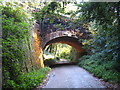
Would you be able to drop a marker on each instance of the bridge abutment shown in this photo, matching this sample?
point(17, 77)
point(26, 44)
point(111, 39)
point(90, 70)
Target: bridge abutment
point(37, 49)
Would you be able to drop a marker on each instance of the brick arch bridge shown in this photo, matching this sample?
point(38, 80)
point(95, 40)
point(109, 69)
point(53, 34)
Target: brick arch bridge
point(42, 37)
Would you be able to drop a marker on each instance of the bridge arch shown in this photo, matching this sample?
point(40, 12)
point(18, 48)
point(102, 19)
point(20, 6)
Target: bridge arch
point(72, 41)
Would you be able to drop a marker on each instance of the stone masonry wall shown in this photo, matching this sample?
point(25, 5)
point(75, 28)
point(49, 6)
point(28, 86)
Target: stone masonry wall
point(37, 53)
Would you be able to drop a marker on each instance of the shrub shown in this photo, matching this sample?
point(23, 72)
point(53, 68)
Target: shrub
point(16, 45)
point(100, 67)
point(28, 80)
point(11, 84)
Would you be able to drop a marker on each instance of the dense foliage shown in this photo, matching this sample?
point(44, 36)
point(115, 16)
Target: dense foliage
point(101, 67)
point(17, 49)
point(104, 24)
point(28, 80)
point(103, 21)
point(15, 33)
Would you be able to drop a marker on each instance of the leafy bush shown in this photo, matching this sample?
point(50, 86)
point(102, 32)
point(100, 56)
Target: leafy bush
point(100, 67)
point(15, 42)
point(105, 31)
point(10, 84)
point(28, 80)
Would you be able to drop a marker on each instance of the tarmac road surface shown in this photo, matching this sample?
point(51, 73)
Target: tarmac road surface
point(72, 76)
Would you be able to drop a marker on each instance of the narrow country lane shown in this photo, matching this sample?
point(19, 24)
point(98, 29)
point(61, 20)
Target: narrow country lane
point(72, 76)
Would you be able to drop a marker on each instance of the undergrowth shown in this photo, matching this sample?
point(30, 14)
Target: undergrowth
point(100, 65)
point(28, 80)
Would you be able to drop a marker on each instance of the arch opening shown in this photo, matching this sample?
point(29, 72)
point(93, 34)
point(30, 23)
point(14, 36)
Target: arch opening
point(63, 52)
point(73, 45)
